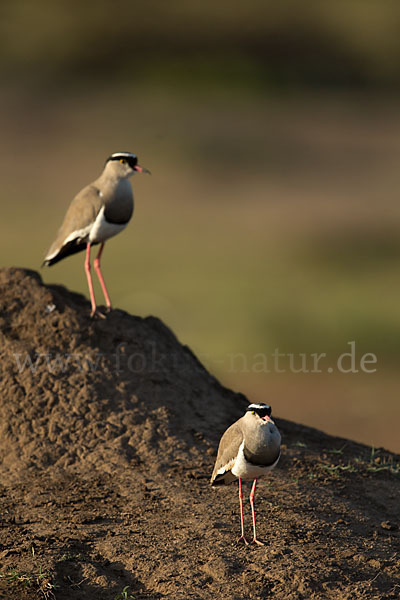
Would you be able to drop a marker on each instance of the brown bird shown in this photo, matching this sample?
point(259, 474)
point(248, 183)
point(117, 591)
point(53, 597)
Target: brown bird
point(248, 450)
point(101, 210)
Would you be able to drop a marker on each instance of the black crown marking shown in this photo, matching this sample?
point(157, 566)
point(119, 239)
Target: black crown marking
point(130, 158)
point(261, 409)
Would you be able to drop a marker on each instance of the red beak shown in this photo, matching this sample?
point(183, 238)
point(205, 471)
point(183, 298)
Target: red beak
point(140, 169)
point(267, 419)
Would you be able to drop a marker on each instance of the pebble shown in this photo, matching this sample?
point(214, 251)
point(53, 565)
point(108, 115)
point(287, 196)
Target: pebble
point(388, 526)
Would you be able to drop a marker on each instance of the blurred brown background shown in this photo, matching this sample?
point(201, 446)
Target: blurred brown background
point(271, 222)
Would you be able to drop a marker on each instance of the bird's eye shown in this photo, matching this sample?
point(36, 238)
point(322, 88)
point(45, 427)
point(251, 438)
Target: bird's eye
point(253, 412)
point(122, 160)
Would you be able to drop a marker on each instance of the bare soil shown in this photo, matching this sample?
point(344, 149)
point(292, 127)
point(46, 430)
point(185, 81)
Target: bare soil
point(108, 434)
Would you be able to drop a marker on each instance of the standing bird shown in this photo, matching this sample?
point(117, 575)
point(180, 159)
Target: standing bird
point(101, 210)
point(247, 450)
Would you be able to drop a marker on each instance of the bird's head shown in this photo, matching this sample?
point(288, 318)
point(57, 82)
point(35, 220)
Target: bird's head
point(260, 411)
point(124, 164)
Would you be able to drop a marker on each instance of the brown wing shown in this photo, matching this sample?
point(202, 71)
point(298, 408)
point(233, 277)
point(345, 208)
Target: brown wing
point(81, 213)
point(227, 452)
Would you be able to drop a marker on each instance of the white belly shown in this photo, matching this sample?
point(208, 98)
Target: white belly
point(101, 230)
point(242, 468)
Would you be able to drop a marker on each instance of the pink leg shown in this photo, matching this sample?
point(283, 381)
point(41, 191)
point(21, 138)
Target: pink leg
point(253, 489)
point(89, 278)
point(241, 512)
point(100, 276)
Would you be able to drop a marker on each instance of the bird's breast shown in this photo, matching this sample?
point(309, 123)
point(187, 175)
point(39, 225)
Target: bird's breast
point(115, 213)
point(102, 229)
point(118, 203)
point(247, 470)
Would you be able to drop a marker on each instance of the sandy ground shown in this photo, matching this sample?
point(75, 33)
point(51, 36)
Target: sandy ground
point(108, 434)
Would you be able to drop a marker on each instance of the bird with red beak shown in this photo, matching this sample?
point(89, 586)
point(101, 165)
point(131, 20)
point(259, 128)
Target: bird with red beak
point(98, 212)
point(248, 450)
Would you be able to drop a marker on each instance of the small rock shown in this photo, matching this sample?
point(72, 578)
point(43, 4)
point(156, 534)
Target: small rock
point(388, 526)
point(375, 564)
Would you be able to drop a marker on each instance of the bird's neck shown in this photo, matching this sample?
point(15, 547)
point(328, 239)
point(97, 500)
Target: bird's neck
point(112, 187)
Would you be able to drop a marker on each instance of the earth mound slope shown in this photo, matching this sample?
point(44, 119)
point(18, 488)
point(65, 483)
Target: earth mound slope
point(97, 394)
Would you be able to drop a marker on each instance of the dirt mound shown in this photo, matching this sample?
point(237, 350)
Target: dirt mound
point(108, 433)
point(104, 394)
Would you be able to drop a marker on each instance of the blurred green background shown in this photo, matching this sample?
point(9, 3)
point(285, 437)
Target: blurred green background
point(271, 220)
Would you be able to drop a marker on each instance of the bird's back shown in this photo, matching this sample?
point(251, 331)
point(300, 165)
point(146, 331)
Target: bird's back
point(75, 228)
point(227, 452)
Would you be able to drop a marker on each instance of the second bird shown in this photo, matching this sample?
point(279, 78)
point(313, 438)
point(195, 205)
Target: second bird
point(101, 210)
point(248, 450)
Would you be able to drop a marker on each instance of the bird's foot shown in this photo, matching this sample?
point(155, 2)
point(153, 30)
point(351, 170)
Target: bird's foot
point(256, 541)
point(242, 539)
point(97, 314)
